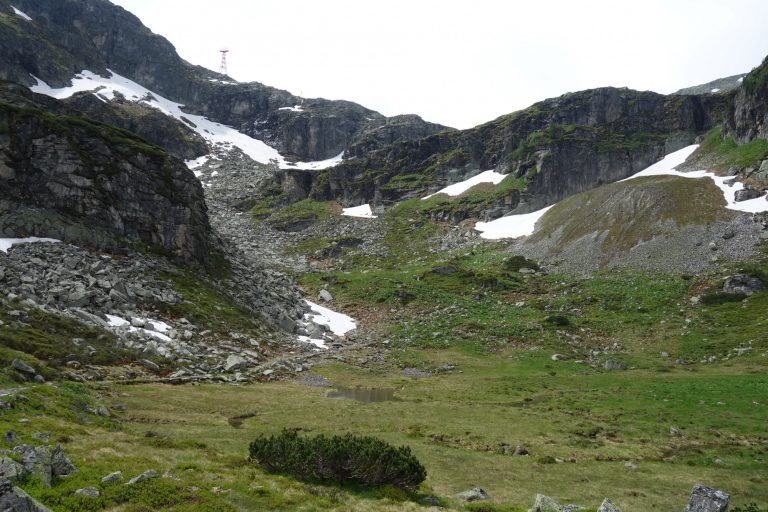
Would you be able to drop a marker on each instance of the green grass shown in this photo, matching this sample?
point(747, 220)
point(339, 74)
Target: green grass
point(306, 211)
point(742, 155)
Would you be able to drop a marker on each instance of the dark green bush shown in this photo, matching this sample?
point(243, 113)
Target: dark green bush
point(341, 459)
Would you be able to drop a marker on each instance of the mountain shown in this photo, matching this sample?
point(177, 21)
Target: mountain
point(190, 266)
point(66, 37)
point(721, 85)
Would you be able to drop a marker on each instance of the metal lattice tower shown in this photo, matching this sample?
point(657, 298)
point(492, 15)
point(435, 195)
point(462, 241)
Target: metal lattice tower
point(223, 65)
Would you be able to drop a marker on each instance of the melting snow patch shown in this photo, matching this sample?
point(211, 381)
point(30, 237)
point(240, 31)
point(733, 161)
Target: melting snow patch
point(462, 186)
point(197, 162)
point(512, 226)
point(741, 79)
point(338, 323)
point(158, 327)
point(6, 243)
point(726, 184)
point(715, 90)
point(295, 108)
point(19, 13)
point(213, 132)
point(363, 211)
point(315, 166)
point(313, 341)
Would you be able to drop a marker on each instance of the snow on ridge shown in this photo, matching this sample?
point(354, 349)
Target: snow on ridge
point(7, 243)
point(514, 226)
point(295, 108)
point(363, 211)
point(20, 13)
point(462, 186)
point(715, 90)
point(214, 133)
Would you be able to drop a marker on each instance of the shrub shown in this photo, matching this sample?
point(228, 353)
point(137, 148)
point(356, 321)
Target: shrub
point(342, 459)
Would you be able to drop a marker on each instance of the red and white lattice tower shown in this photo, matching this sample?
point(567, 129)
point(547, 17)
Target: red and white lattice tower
point(223, 65)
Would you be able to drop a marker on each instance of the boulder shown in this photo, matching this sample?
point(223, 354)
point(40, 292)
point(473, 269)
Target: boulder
point(474, 494)
point(707, 499)
point(325, 296)
point(742, 283)
point(545, 504)
point(612, 365)
point(112, 477)
point(13, 499)
point(147, 475)
point(10, 469)
point(746, 194)
point(234, 362)
point(21, 366)
point(91, 492)
point(608, 506)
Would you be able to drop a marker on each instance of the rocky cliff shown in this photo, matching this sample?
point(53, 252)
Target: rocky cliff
point(551, 150)
point(75, 179)
point(65, 37)
point(749, 117)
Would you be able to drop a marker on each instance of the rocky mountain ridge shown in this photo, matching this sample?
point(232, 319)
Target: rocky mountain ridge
point(66, 37)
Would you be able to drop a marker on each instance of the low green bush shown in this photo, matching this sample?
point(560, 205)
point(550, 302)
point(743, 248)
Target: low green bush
point(344, 459)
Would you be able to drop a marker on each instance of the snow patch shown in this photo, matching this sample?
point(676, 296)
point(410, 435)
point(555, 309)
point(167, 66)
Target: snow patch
point(197, 162)
point(363, 211)
point(715, 90)
point(295, 108)
point(726, 184)
point(313, 341)
point(20, 13)
point(315, 166)
point(158, 327)
point(338, 323)
point(462, 186)
point(511, 226)
point(741, 79)
point(214, 133)
point(7, 243)
point(514, 226)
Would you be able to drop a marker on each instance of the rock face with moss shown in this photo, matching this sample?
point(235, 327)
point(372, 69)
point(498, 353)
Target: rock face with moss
point(68, 36)
point(555, 148)
point(78, 180)
point(748, 119)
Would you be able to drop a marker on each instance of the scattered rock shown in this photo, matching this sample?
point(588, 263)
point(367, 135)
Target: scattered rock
point(675, 432)
point(545, 504)
point(474, 494)
point(612, 365)
point(520, 451)
point(147, 475)
point(608, 506)
point(706, 499)
point(558, 357)
point(10, 469)
point(11, 437)
point(325, 296)
point(91, 492)
point(630, 466)
point(112, 477)
point(744, 284)
point(746, 194)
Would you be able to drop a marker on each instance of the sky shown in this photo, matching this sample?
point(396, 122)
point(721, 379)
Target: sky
point(462, 63)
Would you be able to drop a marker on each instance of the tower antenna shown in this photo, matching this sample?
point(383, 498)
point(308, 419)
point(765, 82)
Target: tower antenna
point(223, 65)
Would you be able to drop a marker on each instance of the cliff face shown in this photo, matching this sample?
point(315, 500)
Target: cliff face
point(84, 182)
point(555, 148)
point(749, 117)
point(68, 36)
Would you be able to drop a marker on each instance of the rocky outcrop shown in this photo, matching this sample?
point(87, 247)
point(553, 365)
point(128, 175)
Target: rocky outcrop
point(16, 500)
point(720, 85)
point(556, 148)
point(68, 36)
point(707, 499)
point(73, 179)
point(749, 117)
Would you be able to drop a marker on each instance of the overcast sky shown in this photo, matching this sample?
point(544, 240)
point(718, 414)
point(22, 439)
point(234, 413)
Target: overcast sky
point(462, 63)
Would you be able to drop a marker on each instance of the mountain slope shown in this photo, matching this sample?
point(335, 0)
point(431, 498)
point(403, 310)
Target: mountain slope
point(66, 37)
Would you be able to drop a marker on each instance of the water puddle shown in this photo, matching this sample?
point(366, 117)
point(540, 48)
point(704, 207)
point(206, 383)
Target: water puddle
point(364, 395)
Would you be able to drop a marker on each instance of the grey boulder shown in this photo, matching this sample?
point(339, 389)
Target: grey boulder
point(707, 499)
